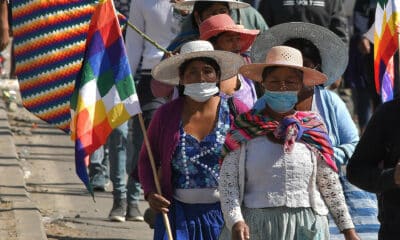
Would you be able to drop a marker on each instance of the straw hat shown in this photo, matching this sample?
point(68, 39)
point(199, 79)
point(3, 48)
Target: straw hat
point(167, 71)
point(220, 23)
point(283, 56)
point(188, 4)
point(333, 51)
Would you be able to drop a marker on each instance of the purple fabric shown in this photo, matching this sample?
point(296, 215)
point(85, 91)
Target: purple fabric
point(246, 94)
point(163, 134)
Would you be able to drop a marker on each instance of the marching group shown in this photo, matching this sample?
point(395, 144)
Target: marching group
point(248, 137)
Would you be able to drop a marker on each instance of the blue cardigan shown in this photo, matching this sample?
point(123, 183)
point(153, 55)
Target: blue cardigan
point(343, 133)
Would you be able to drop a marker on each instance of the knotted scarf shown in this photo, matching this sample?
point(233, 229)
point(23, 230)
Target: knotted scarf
point(306, 127)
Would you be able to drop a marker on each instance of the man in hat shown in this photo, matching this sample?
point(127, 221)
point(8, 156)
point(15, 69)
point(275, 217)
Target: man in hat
point(225, 35)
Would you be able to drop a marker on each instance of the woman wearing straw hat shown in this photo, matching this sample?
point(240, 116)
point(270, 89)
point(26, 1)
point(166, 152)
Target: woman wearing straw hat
point(278, 176)
point(241, 12)
point(225, 35)
point(324, 51)
point(201, 10)
point(186, 136)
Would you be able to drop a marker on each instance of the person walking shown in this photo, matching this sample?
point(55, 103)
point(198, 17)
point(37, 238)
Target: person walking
point(186, 136)
point(225, 35)
point(325, 51)
point(242, 13)
point(158, 20)
point(289, 152)
point(201, 10)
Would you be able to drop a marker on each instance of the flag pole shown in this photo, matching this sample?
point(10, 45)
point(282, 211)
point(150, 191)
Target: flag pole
point(155, 175)
point(143, 35)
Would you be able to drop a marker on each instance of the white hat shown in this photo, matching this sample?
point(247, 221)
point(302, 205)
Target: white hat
point(283, 56)
point(187, 5)
point(333, 51)
point(167, 71)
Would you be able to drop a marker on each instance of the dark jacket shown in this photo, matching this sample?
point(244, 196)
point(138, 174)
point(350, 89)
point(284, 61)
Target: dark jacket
point(372, 165)
point(363, 17)
point(329, 14)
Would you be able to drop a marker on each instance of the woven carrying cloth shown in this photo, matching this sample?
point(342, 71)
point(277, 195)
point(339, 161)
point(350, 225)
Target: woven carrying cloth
point(49, 38)
point(306, 127)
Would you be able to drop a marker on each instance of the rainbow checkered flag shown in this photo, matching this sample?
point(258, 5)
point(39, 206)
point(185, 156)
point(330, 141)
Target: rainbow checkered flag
point(104, 95)
point(385, 45)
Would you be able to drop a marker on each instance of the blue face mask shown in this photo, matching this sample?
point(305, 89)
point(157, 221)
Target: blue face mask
point(280, 102)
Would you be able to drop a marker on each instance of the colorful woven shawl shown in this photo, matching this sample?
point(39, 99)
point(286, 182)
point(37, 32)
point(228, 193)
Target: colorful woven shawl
point(306, 127)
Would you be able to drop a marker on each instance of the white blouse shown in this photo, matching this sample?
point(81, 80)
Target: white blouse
point(295, 179)
point(277, 179)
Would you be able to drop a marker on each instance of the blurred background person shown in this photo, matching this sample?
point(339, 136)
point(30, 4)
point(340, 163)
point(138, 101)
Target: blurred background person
point(360, 72)
point(375, 166)
point(225, 35)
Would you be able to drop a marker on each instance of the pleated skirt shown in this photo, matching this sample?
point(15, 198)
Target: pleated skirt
point(191, 222)
point(283, 223)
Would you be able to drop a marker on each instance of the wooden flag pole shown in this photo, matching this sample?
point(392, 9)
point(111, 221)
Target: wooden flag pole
point(143, 35)
point(155, 175)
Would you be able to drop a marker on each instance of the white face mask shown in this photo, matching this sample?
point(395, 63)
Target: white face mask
point(201, 92)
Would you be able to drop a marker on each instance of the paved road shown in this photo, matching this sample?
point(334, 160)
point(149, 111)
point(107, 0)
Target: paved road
point(67, 211)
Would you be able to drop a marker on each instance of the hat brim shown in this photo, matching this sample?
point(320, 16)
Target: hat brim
point(247, 36)
point(188, 5)
point(254, 72)
point(167, 71)
point(333, 51)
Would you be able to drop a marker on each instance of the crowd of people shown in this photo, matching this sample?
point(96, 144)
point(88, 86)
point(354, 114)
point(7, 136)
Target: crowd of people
point(249, 135)
point(249, 138)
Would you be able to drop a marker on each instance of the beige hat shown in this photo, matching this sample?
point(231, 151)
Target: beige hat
point(188, 4)
point(167, 71)
point(283, 56)
point(333, 51)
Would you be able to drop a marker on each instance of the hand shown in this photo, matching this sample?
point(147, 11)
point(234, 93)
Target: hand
point(4, 38)
point(158, 203)
point(364, 46)
point(397, 173)
point(350, 234)
point(169, 54)
point(4, 30)
point(240, 231)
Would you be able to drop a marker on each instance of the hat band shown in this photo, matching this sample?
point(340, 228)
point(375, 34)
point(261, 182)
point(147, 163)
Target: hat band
point(286, 63)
